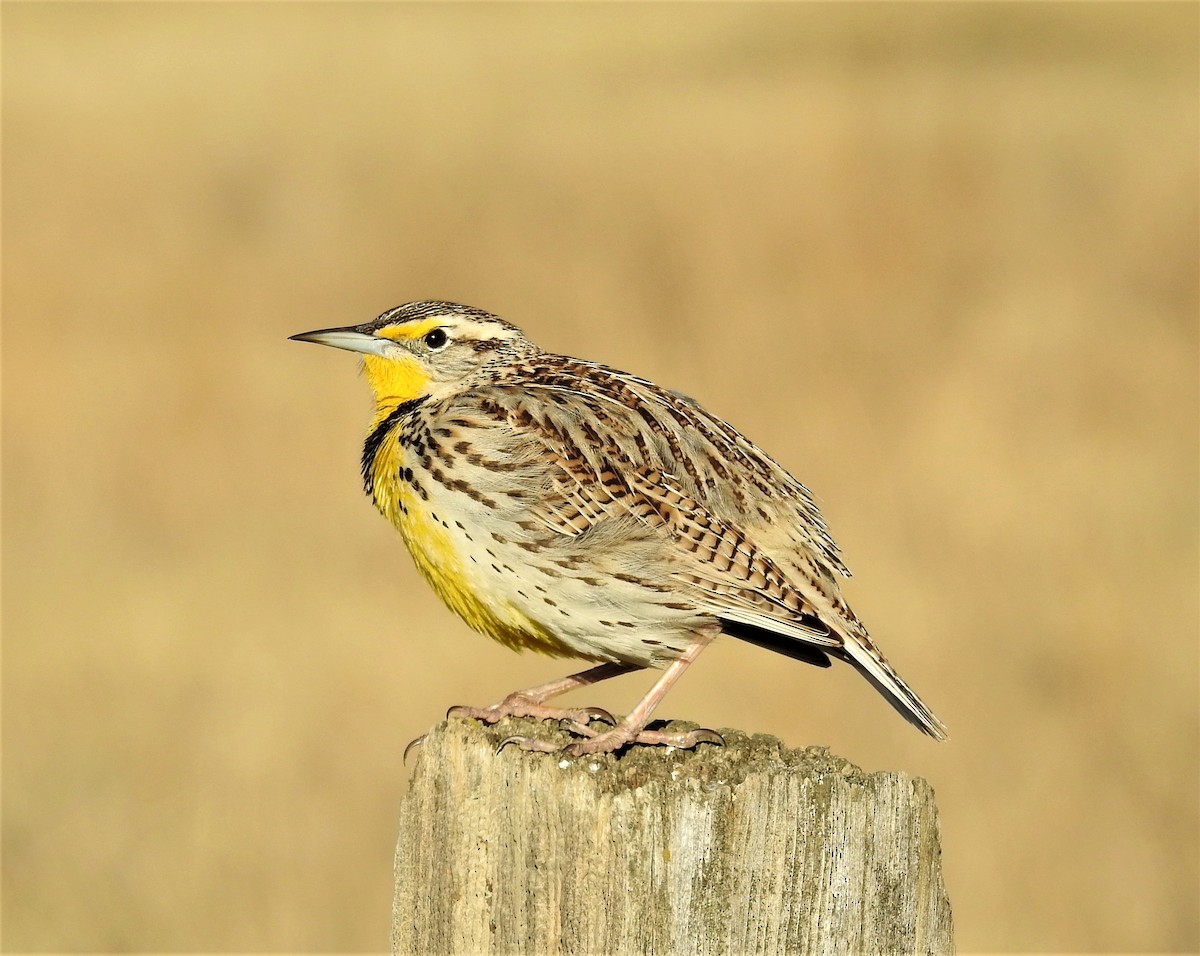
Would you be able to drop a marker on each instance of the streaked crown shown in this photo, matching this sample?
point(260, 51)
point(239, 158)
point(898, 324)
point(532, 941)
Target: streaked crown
point(425, 348)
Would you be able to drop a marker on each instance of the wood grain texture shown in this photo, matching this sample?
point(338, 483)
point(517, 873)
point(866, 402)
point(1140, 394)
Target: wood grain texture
point(749, 848)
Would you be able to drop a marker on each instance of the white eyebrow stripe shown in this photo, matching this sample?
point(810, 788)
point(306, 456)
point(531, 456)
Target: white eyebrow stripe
point(480, 331)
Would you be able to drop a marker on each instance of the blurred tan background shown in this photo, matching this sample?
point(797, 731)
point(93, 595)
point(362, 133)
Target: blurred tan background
point(939, 260)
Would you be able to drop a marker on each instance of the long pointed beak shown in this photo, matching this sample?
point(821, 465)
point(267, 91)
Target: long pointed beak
point(347, 338)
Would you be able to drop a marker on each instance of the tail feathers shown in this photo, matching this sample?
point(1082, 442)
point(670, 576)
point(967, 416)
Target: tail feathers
point(812, 647)
point(874, 668)
point(780, 643)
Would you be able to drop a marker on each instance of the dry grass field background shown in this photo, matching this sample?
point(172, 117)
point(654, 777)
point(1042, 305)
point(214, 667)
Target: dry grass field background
point(939, 260)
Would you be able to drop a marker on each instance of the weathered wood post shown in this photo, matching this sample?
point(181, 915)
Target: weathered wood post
point(747, 848)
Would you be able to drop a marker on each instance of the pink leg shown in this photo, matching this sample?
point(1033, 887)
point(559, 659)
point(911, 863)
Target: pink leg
point(632, 730)
point(528, 703)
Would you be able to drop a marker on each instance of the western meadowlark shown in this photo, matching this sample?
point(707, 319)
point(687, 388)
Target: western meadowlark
point(562, 506)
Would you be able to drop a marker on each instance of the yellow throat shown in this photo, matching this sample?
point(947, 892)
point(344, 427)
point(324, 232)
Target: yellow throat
point(394, 381)
point(429, 542)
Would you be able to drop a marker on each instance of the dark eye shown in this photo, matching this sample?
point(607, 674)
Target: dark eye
point(436, 339)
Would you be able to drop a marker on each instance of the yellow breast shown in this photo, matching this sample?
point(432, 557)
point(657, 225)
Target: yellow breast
point(440, 558)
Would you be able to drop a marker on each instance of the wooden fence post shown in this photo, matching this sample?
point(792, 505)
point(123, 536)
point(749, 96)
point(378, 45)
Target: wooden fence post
point(747, 848)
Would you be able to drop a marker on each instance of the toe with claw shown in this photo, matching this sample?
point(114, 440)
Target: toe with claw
point(619, 737)
point(516, 705)
point(613, 740)
point(411, 744)
point(529, 743)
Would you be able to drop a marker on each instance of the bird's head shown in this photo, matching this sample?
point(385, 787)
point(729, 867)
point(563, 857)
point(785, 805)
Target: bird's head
point(424, 349)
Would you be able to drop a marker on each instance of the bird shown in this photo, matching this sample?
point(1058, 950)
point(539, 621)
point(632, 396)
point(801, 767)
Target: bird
point(562, 506)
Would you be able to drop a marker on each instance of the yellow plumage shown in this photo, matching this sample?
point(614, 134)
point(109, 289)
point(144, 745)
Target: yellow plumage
point(441, 564)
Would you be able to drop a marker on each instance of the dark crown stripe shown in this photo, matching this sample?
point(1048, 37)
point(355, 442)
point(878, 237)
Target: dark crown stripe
point(415, 311)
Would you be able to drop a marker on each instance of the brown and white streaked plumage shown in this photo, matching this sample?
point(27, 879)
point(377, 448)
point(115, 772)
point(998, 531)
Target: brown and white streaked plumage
point(561, 505)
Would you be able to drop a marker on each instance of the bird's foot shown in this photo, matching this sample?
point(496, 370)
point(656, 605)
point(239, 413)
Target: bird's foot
point(612, 740)
point(515, 705)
